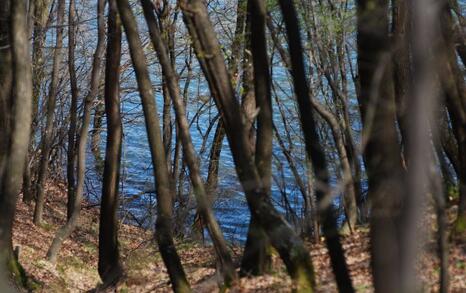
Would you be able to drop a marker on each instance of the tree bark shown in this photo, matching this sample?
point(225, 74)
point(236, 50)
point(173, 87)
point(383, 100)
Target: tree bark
point(314, 149)
point(401, 68)
point(217, 144)
point(224, 258)
point(6, 80)
point(164, 198)
point(210, 57)
point(21, 109)
point(110, 268)
point(380, 142)
point(71, 152)
point(454, 87)
point(47, 136)
point(40, 11)
point(65, 231)
point(257, 255)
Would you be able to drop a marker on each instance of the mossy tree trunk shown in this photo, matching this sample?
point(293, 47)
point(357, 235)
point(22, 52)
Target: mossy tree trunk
point(20, 101)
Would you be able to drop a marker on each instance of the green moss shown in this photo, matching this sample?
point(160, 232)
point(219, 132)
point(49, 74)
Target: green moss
point(90, 247)
point(362, 288)
point(46, 226)
point(460, 225)
point(453, 192)
point(460, 265)
point(140, 260)
point(302, 282)
point(17, 272)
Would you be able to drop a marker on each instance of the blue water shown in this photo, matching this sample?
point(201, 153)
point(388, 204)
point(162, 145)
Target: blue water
point(137, 186)
point(230, 205)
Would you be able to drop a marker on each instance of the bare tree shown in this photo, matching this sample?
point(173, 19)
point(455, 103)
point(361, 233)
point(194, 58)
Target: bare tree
point(213, 65)
point(66, 230)
point(47, 134)
point(162, 180)
point(110, 268)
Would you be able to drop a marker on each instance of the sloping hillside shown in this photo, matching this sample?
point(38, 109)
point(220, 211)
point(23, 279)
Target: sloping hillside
point(76, 268)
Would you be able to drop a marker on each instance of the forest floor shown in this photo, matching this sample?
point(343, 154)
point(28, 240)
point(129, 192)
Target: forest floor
point(76, 268)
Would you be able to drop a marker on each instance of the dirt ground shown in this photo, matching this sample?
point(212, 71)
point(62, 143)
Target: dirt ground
point(76, 268)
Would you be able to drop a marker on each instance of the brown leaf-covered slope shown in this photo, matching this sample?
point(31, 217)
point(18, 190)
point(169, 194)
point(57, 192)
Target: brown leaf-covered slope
point(76, 268)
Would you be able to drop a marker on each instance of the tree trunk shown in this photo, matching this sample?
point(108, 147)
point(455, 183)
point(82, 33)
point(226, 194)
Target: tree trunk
point(21, 110)
point(226, 264)
point(71, 152)
point(40, 17)
point(314, 149)
point(6, 79)
point(217, 144)
point(47, 136)
point(401, 68)
point(257, 252)
point(164, 198)
point(454, 87)
point(65, 231)
point(210, 57)
point(380, 142)
point(110, 268)
point(99, 111)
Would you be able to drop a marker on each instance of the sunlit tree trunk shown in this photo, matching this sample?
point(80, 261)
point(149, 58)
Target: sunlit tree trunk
point(163, 225)
point(314, 149)
point(65, 231)
point(40, 11)
point(283, 238)
point(219, 136)
point(71, 152)
point(257, 255)
point(47, 135)
point(110, 268)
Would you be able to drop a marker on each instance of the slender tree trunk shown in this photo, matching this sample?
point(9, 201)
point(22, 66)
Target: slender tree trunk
point(338, 133)
point(110, 268)
point(214, 158)
point(163, 223)
point(257, 255)
point(223, 254)
point(349, 199)
point(448, 140)
point(216, 149)
point(71, 152)
point(380, 142)
point(401, 68)
point(40, 18)
point(99, 112)
point(47, 136)
point(21, 109)
point(313, 147)
point(65, 231)
point(283, 238)
point(6, 79)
